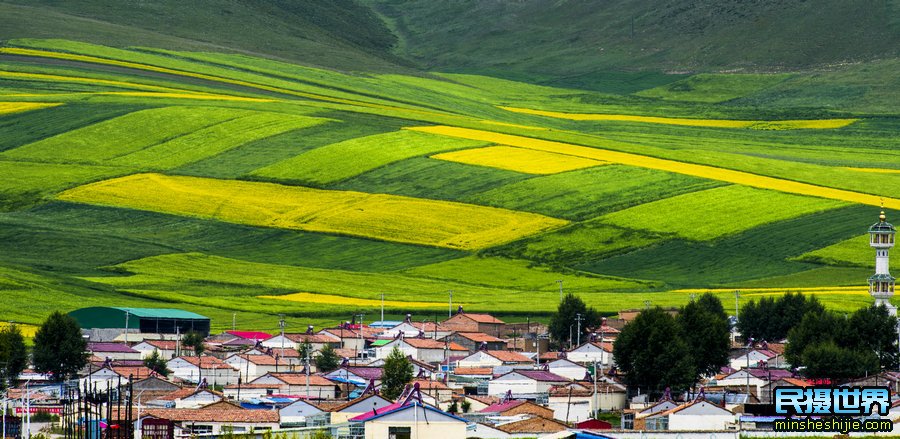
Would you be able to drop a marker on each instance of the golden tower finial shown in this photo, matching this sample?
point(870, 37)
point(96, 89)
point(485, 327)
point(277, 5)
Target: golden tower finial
point(882, 217)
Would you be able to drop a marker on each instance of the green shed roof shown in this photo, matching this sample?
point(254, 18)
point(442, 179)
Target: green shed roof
point(381, 342)
point(162, 313)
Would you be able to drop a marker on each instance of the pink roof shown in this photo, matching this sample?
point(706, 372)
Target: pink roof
point(368, 415)
point(250, 335)
point(111, 347)
point(540, 375)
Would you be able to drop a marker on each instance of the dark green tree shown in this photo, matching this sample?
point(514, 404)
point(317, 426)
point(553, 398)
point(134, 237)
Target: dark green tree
point(157, 363)
point(815, 328)
point(874, 329)
point(327, 360)
point(195, 341)
point(827, 360)
point(59, 348)
point(565, 317)
point(13, 354)
point(705, 327)
point(772, 319)
point(306, 350)
point(465, 406)
point(652, 353)
point(454, 408)
point(398, 372)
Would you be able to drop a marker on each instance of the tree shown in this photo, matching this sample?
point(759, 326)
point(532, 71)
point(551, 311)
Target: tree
point(566, 315)
point(772, 319)
point(705, 327)
point(466, 406)
point(454, 408)
point(13, 354)
point(398, 372)
point(652, 353)
point(874, 329)
point(194, 340)
point(59, 348)
point(156, 363)
point(814, 328)
point(327, 360)
point(827, 360)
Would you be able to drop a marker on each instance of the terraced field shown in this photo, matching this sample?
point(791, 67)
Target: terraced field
point(225, 183)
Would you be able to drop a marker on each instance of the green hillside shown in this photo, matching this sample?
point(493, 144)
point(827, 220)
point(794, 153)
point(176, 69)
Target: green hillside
point(301, 163)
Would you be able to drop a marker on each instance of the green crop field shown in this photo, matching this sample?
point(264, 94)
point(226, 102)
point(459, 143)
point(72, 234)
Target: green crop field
point(308, 161)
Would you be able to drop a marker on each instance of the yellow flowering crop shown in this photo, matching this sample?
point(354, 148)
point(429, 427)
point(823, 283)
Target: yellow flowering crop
point(778, 291)
point(528, 161)
point(17, 107)
point(379, 216)
point(704, 171)
point(331, 299)
point(28, 331)
point(875, 170)
point(716, 123)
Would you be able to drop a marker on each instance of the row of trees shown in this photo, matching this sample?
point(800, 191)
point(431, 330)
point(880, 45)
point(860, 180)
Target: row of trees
point(772, 318)
point(657, 350)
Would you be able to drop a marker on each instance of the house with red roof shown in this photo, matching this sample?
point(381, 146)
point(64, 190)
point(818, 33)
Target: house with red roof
point(422, 349)
point(525, 383)
point(251, 367)
point(194, 369)
point(350, 339)
point(363, 404)
point(591, 352)
point(199, 421)
point(293, 341)
point(253, 336)
point(466, 322)
point(295, 384)
point(517, 407)
point(166, 348)
point(474, 341)
point(490, 358)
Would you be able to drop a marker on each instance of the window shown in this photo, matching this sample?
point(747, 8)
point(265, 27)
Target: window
point(200, 429)
point(399, 432)
point(628, 421)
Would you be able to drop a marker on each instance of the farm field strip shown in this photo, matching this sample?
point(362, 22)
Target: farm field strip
point(713, 213)
point(342, 160)
point(875, 170)
point(23, 76)
point(19, 107)
point(715, 123)
point(853, 252)
point(214, 78)
point(378, 216)
point(703, 171)
point(523, 160)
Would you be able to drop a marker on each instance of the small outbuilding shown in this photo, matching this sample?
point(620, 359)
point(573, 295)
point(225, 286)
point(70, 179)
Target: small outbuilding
point(143, 320)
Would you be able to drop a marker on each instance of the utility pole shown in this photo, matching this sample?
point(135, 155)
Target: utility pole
point(382, 310)
point(280, 324)
point(234, 321)
point(127, 313)
point(450, 312)
point(579, 318)
point(560, 290)
point(737, 295)
point(307, 374)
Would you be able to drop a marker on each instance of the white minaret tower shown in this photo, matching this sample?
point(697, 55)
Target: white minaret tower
point(881, 284)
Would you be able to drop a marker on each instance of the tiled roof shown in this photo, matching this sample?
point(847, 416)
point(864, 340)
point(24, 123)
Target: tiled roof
point(483, 318)
point(501, 407)
point(509, 356)
point(178, 394)
point(375, 412)
point(137, 372)
point(253, 386)
point(479, 337)
point(536, 424)
point(250, 335)
point(340, 332)
point(352, 402)
point(312, 338)
point(111, 347)
point(205, 362)
point(215, 415)
point(427, 343)
point(473, 371)
point(168, 345)
point(299, 379)
point(797, 382)
point(263, 360)
point(345, 353)
point(541, 375)
point(430, 385)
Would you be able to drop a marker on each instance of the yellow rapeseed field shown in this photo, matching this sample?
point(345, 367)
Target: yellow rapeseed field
point(331, 299)
point(716, 123)
point(843, 291)
point(704, 171)
point(16, 107)
point(27, 330)
point(379, 216)
point(528, 161)
point(152, 68)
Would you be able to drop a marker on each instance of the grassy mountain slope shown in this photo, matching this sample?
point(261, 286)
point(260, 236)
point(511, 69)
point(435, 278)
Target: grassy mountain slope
point(561, 41)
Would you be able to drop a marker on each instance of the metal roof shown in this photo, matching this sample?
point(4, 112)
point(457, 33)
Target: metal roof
point(162, 313)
